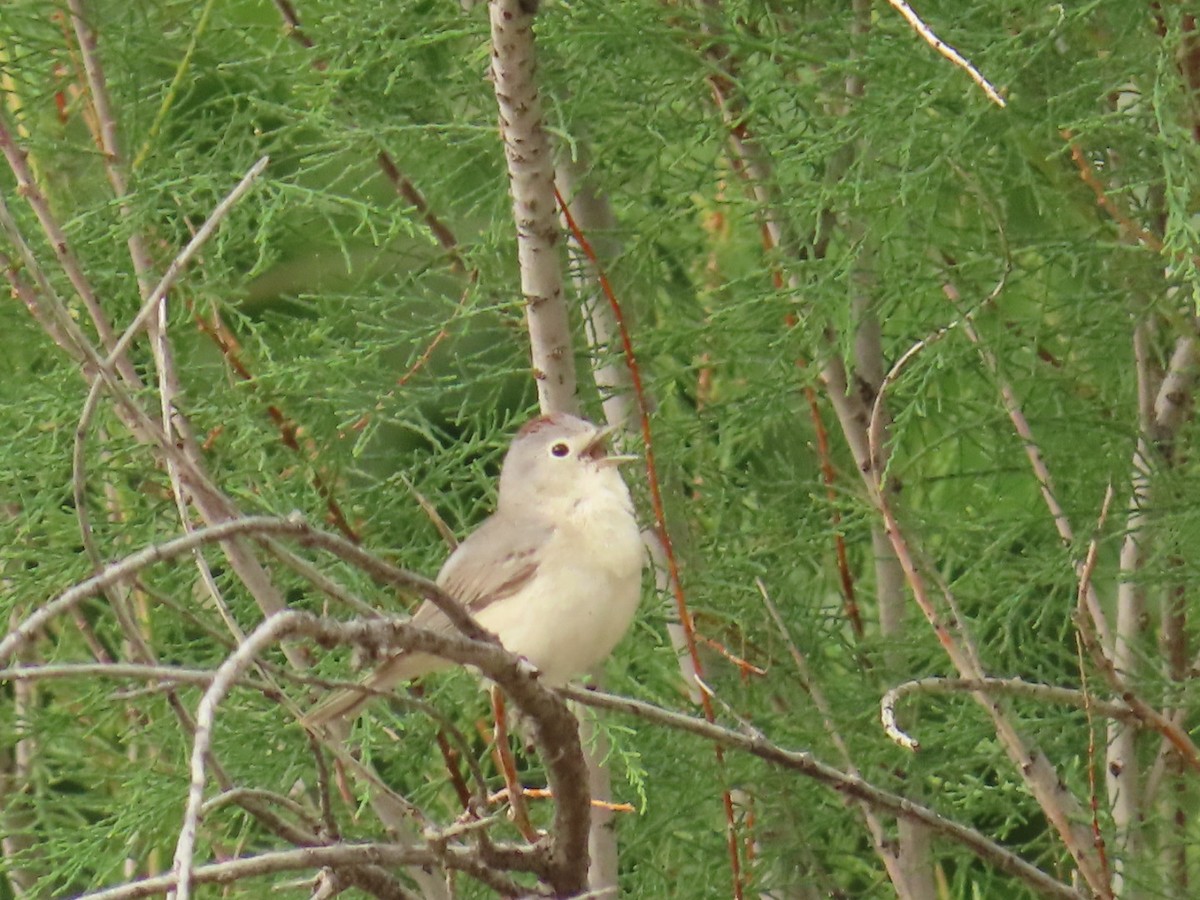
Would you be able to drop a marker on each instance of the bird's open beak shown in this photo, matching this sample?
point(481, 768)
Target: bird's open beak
point(597, 448)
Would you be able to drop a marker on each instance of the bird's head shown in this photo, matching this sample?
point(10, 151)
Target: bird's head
point(555, 461)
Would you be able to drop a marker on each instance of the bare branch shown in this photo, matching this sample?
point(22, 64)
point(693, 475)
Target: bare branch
point(341, 855)
point(1037, 462)
point(849, 785)
point(947, 51)
point(136, 562)
point(1044, 693)
point(60, 671)
point(561, 862)
point(57, 239)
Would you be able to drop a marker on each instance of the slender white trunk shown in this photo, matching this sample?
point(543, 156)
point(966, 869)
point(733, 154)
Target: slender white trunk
point(531, 180)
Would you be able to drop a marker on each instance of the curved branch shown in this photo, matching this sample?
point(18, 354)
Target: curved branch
point(135, 562)
point(561, 862)
point(1046, 693)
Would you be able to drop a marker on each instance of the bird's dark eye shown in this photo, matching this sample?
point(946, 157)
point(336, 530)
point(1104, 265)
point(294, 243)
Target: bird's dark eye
point(560, 449)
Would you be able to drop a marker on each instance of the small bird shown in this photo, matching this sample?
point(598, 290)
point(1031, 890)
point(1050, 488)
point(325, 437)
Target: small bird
point(555, 572)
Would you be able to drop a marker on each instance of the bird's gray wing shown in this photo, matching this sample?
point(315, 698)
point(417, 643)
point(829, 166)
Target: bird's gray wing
point(494, 562)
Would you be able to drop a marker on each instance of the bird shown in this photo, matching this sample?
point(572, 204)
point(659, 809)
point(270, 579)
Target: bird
point(555, 572)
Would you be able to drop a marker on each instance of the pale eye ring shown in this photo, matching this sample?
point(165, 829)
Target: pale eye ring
point(560, 449)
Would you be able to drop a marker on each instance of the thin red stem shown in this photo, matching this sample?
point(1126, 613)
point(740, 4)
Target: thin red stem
point(1093, 798)
point(660, 523)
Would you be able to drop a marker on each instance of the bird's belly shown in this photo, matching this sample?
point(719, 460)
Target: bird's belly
point(571, 615)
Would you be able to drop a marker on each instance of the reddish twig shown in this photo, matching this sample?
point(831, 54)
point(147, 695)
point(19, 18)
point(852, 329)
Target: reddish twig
point(292, 20)
point(450, 757)
point(829, 479)
point(1093, 799)
point(687, 623)
point(1084, 637)
point(744, 667)
point(443, 333)
point(1089, 177)
point(406, 189)
point(436, 226)
point(518, 811)
point(441, 232)
point(502, 795)
point(445, 238)
point(770, 243)
point(639, 391)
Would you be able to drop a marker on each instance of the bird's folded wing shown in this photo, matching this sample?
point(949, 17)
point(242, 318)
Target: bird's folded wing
point(495, 561)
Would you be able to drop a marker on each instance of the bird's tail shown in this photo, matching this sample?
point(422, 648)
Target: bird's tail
point(348, 704)
point(342, 705)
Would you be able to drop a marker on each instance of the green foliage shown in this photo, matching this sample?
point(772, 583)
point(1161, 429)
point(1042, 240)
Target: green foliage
point(404, 376)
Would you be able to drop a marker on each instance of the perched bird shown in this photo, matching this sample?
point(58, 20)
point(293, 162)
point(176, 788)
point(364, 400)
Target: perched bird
point(555, 573)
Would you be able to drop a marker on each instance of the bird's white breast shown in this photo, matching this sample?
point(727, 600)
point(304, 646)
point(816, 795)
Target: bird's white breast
point(568, 618)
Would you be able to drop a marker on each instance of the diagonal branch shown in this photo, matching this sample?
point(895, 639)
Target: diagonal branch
point(845, 784)
point(947, 51)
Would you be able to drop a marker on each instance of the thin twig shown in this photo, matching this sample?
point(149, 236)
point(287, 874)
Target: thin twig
point(179, 81)
point(57, 239)
point(289, 431)
point(231, 871)
point(238, 796)
point(1033, 453)
point(947, 51)
point(875, 426)
point(439, 229)
point(829, 479)
point(180, 262)
point(183, 457)
point(292, 20)
point(662, 534)
point(1132, 231)
point(1168, 727)
point(1093, 796)
point(319, 579)
point(656, 499)
point(135, 562)
point(58, 671)
point(1044, 693)
point(874, 827)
